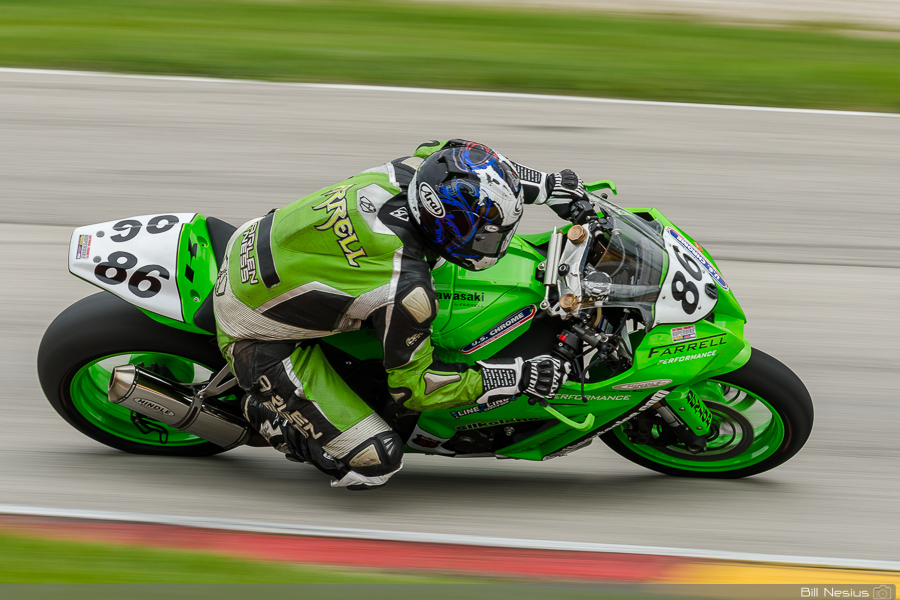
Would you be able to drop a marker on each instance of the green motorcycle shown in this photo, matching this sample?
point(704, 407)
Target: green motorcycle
point(661, 370)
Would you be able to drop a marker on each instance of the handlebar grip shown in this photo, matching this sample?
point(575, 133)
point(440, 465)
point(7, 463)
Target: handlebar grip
point(581, 212)
point(567, 346)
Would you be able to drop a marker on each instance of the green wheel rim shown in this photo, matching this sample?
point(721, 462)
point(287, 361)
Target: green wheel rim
point(749, 431)
point(88, 391)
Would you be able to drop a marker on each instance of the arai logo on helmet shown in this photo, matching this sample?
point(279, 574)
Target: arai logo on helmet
point(430, 201)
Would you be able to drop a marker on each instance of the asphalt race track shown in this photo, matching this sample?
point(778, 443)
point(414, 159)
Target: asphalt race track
point(801, 209)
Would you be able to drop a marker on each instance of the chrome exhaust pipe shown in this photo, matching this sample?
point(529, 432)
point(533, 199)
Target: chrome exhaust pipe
point(175, 405)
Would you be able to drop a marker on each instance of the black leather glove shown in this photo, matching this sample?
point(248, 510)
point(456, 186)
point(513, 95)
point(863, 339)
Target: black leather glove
point(539, 377)
point(543, 375)
point(564, 187)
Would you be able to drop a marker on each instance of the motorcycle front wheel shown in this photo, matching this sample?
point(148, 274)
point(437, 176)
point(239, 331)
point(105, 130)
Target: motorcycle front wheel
point(94, 335)
point(762, 416)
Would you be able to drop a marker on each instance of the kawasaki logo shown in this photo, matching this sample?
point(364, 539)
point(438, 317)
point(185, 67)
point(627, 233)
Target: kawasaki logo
point(473, 297)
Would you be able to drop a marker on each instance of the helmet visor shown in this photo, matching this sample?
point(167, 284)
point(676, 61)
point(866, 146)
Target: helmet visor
point(492, 240)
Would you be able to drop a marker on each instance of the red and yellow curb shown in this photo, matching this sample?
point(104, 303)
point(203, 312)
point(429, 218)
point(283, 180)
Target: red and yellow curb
point(517, 563)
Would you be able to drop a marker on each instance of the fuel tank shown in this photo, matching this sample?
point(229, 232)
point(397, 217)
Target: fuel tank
point(482, 312)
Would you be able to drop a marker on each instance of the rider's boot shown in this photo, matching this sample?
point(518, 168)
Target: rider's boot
point(266, 421)
point(366, 467)
point(372, 462)
point(358, 482)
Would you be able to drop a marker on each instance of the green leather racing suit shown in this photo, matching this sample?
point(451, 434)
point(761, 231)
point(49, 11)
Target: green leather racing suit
point(343, 258)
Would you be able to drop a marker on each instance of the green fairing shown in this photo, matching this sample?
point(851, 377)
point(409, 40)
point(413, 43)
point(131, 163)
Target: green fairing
point(472, 302)
point(201, 265)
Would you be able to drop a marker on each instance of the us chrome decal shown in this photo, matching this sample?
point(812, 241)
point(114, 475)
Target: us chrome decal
point(511, 322)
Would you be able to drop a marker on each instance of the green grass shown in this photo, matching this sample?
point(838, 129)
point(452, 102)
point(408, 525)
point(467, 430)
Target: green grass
point(26, 560)
point(425, 44)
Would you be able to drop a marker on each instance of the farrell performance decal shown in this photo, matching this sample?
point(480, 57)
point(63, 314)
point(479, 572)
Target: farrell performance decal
point(686, 347)
point(685, 357)
point(698, 256)
point(511, 322)
point(605, 398)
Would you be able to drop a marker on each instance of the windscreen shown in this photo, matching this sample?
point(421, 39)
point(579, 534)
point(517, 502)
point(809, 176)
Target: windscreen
point(631, 260)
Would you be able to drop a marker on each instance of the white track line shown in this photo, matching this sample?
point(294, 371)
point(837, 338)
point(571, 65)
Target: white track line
point(443, 92)
point(439, 538)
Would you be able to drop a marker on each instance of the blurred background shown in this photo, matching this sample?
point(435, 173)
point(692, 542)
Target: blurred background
point(798, 206)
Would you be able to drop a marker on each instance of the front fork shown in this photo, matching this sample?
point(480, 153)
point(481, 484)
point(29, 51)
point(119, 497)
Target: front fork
point(686, 415)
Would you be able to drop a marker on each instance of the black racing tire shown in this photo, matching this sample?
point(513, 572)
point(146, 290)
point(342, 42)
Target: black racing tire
point(767, 378)
point(103, 325)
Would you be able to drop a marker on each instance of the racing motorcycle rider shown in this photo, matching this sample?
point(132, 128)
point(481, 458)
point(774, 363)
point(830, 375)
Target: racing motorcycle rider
point(358, 254)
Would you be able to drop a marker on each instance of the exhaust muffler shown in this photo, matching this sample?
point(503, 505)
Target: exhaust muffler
point(175, 405)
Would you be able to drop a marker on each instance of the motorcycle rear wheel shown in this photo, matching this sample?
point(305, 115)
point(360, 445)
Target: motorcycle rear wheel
point(763, 416)
point(84, 343)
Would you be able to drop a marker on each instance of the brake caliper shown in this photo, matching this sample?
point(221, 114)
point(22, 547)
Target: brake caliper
point(686, 413)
